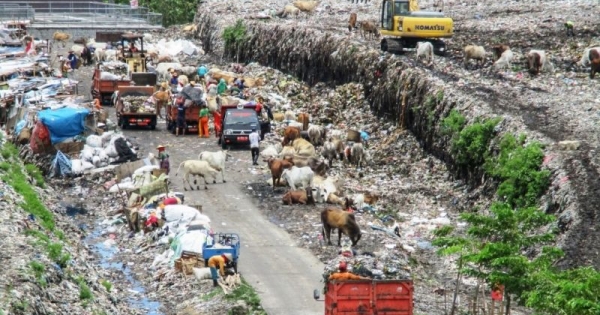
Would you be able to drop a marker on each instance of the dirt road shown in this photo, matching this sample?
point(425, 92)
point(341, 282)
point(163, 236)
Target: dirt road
point(283, 274)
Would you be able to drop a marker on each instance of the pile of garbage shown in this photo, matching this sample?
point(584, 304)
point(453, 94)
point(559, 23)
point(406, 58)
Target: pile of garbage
point(100, 151)
point(137, 104)
point(113, 70)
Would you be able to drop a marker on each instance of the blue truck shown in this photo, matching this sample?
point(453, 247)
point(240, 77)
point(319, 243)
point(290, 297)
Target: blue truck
point(229, 244)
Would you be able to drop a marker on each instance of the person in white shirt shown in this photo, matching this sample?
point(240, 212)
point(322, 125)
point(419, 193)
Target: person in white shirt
point(254, 140)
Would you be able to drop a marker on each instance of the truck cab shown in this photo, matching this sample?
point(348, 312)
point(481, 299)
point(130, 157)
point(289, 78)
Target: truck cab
point(237, 125)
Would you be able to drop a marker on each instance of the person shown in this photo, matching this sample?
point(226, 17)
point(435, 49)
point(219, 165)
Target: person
point(202, 71)
point(203, 122)
point(569, 27)
point(343, 274)
point(65, 67)
point(72, 59)
point(364, 136)
point(163, 157)
point(254, 140)
point(221, 87)
point(217, 121)
point(180, 119)
point(132, 48)
point(174, 78)
point(220, 261)
point(97, 104)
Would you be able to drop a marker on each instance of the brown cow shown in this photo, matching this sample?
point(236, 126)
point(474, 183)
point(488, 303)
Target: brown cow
point(370, 28)
point(345, 222)
point(535, 62)
point(304, 197)
point(277, 166)
point(162, 99)
point(352, 22)
point(303, 118)
point(290, 134)
point(595, 62)
point(498, 50)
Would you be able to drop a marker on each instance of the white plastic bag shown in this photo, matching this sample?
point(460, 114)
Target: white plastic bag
point(94, 141)
point(111, 151)
point(180, 212)
point(202, 273)
point(96, 161)
point(192, 241)
point(145, 169)
point(87, 153)
point(76, 166)
point(87, 165)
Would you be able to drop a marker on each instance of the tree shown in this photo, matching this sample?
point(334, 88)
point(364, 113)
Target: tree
point(173, 11)
point(495, 246)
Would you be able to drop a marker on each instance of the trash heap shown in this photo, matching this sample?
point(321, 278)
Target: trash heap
point(100, 151)
point(137, 104)
point(113, 70)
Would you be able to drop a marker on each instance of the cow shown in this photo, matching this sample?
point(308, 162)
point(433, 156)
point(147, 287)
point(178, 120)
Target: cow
point(504, 60)
point(474, 52)
point(303, 118)
point(110, 55)
point(498, 50)
point(425, 49)
point(86, 56)
point(277, 167)
point(269, 152)
point(216, 160)
point(162, 97)
point(316, 134)
point(287, 151)
point(537, 61)
point(61, 37)
point(318, 166)
point(197, 168)
point(329, 152)
point(370, 28)
point(352, 22)
point(298, 176)
point(290, 134)
point(304, 147)
point(303, 197)
point(289, 115)
point(345, 222)
point(357, 153)
point(594, 56)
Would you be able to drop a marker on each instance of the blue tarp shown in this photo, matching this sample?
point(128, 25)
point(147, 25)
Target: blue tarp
point(63, 123)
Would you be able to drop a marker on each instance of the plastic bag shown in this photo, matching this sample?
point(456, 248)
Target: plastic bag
point(202, 273)
point(181, 212)
point(76, 166)
point(94, 141)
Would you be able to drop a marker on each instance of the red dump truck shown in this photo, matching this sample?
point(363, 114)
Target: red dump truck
point(130, 118)
point(104, 89)
point(368, 297)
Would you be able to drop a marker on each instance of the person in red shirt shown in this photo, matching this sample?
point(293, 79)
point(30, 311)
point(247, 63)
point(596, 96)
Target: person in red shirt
point(343, 274)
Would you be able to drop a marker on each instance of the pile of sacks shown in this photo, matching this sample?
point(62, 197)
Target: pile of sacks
point(100, 151)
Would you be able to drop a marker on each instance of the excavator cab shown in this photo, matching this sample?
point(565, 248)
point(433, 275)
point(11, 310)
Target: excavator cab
point(403, 25)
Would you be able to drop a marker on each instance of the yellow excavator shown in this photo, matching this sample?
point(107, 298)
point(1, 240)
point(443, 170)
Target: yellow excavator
point(403, 25)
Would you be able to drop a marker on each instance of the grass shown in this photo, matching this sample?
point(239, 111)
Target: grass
point(35, 173)
point(38, 271)
point(470, 146)
point(107, 285)
point(85, 293)
point(246, 293)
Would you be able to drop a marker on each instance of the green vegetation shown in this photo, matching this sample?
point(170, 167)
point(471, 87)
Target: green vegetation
point(35, 173)
point(85, 293)
point(173, 11)
point(38, 271)
point(232, 35)
point(107, 285)
point(498, 244)
point(246, 293)
point(55, 252)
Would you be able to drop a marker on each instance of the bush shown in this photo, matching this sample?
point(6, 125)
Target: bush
point(518, 169)
point(453, 123)
point(232, 35)
point(470, 146)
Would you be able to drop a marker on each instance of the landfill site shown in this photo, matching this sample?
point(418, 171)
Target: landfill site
point(129, 184)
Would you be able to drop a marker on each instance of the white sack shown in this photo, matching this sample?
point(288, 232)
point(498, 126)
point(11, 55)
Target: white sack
point(94, 141)
point(181, 212)
point(192, 241)
point(76, 166)
point(202, 273)
point(145, 169)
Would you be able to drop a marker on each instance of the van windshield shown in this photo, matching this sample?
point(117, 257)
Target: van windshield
point(244, 116)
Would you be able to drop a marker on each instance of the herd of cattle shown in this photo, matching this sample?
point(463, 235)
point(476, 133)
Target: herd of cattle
point(295, 162)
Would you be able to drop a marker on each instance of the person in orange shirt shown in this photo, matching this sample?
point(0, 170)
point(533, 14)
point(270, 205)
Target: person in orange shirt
point(344, 275)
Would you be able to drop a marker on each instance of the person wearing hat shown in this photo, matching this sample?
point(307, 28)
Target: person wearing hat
point(343, 274)
point(220, 261)
point(72, 59)
point(254, 145)
point(164, 159)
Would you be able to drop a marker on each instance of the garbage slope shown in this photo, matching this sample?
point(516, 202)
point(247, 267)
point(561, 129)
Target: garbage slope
point(419, 99)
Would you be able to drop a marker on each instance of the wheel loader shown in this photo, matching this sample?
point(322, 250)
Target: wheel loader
point(403, 25)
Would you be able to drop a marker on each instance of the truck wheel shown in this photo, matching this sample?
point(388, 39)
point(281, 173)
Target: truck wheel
point(235, 266)
point(223, 145)
point(152, 127)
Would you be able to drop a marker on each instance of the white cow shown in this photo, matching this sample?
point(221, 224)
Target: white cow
point(110, 55)
point(357, 153)
point(216, 160)
point(197, 168)
point(316, 134)
point(162, 70)
point(425, 49)
point(298, 176)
